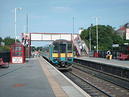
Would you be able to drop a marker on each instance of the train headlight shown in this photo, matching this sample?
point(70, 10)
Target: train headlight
point(55, 59)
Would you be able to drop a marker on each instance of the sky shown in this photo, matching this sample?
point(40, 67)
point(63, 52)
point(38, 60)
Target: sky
point(57, 15)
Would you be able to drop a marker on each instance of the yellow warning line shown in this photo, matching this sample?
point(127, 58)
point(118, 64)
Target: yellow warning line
point(58, 91)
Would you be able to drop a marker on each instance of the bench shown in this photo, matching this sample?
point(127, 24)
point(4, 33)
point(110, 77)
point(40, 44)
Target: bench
point(3, 64)
point(123, 56)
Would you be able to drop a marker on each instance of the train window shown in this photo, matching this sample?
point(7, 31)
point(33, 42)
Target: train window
point(62, 48)
point(56, 48)
point(69, 48)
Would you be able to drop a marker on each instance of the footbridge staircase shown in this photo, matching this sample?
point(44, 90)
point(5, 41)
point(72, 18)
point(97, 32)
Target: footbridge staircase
point(81, 47)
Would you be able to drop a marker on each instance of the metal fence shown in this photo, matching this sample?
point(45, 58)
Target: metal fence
point(102, 54)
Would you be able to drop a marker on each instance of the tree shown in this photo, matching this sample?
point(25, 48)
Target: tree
point(1, 39)
point(9, 41)
point(106, 36)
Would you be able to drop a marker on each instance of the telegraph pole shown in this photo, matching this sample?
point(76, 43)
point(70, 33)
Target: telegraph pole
point(90, 37)
point(73, 27)
point(26, 23)
point(15, 21)
point(73, 35)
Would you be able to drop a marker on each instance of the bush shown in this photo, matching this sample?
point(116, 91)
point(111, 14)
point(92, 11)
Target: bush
point(4, 48)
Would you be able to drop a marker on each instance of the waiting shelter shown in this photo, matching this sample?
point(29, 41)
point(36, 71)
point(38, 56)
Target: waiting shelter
point(17, 52)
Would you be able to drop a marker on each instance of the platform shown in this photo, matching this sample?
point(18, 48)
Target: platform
point(113, 62)
point(36, 78)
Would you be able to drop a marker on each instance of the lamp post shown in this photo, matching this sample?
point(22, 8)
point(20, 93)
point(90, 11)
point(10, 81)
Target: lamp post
point(73, 36)
point(15, 22)
point(73, 28)
point(96, 18)
point(96, 21)
point(26, 23)
point(90, 37)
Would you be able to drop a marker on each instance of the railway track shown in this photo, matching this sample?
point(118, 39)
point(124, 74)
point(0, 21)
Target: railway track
point(120, 81)
point(109, 68)
point(96, 87)
point(86, 86)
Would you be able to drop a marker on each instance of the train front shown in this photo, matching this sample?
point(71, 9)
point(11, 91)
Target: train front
point(62, 54)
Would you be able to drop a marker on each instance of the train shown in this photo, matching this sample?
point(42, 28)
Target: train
point(60, 54)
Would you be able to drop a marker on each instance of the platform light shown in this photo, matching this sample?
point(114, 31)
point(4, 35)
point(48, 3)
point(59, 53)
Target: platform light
point(15, 20)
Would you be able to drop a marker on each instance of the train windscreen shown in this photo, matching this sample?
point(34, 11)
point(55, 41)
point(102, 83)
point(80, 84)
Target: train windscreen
point(56, 48)
point(62, 48)
point(69, 48)
point(59, 48)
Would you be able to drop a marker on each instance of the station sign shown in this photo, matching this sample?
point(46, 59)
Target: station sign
point(115, 45)
point(127, 33)
point(17, 59)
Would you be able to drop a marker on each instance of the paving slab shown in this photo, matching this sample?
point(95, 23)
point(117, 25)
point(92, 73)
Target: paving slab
point(24, 80)
point(113, 62)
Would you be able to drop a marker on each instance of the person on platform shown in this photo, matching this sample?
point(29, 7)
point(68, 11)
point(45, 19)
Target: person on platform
point(109, 55)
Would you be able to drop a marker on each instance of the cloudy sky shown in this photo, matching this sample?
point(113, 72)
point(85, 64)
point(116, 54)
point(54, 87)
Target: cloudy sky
point(56, 15)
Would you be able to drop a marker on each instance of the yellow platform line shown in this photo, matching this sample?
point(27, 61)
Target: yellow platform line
point(58, 91)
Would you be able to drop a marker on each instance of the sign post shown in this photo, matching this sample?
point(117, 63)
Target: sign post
point(127, 33)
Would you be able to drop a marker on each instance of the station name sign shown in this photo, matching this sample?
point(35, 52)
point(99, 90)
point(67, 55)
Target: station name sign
point(127, 33)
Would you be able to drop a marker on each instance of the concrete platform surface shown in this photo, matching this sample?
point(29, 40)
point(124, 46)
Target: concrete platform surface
point(113, 62)
point(24, 80)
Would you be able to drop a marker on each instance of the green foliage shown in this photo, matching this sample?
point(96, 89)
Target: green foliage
point(1, 39)
point(4, 48)
point(8, 42)
point(39, 48)
point(106, 36)
point(33, 48)
point(117, 39)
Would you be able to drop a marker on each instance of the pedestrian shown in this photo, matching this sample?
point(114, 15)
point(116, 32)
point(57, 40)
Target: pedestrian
point(108, 55)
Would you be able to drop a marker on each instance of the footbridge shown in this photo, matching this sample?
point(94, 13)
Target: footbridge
point(80, 45)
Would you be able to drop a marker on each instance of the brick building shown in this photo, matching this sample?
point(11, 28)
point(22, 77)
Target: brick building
point(122, 30)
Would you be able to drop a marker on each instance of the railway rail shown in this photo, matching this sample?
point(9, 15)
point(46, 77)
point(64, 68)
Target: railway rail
point(101, 87)
point(119, 71)
point(86, 86)
point(120, 81)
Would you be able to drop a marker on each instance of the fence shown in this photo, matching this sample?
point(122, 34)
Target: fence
point(102, 54)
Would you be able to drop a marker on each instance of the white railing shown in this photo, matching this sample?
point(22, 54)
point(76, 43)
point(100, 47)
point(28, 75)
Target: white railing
point(80, 46)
